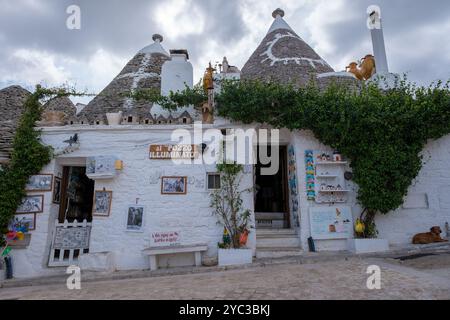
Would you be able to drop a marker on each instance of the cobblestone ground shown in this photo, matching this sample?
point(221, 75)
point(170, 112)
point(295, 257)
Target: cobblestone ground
point(423, 278)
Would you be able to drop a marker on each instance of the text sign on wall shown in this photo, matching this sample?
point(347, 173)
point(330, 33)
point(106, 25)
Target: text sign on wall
point(331, 222)
point(165, 238)
point(178, 151)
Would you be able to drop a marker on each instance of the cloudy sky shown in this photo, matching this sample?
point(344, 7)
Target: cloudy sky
point(37, 47)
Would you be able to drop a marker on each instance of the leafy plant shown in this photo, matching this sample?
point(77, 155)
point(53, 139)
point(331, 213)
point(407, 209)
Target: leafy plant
point(227, 203)
point(381, 132)
point(28, 155)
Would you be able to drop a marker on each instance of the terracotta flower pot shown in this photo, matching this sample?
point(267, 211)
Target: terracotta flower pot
point(243, 238)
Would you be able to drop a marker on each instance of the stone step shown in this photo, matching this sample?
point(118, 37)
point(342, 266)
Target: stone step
point(263, 252)
point(275, 232)
point(271, 224)
point(269, 215)
point(279, 241)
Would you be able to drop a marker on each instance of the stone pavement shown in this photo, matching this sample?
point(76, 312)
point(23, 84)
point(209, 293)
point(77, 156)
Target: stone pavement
point(427, 277)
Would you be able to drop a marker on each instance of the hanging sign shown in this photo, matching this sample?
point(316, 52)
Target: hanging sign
point(101, 167)
point(177, 151)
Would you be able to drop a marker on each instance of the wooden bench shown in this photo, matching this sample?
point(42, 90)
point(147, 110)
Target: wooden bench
point(153, 252)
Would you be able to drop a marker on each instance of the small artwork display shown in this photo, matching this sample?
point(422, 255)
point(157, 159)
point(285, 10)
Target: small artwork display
point(310, 173)
point(40, 182)
point(72, 238)
point(31, 204)
point(100, 167)
point(57, 190)
point(102, 203)
point(135, 218)
point(173, 185)
point(26, 221)
point(334, 222)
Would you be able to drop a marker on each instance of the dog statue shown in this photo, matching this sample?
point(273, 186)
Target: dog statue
point(429, 237)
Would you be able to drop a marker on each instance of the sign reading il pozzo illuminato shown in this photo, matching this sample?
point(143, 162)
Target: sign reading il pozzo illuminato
point(178, 151)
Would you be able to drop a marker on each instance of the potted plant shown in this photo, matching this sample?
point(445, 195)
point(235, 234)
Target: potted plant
point(366, 233)
point(227, 204)
point(18, 235)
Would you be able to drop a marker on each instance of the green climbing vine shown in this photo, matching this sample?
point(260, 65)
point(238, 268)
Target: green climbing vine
point(381, 132)
point(29, 155)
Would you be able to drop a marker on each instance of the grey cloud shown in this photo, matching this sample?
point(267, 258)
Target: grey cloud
point(123, 27)
point(117, 25)
point(401, 18)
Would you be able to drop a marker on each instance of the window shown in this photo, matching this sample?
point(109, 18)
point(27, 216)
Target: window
point(213, 181)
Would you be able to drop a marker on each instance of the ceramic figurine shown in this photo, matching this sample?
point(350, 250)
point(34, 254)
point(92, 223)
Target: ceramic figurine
point(337, 156)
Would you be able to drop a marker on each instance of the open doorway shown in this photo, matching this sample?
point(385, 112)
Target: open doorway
point(271, 196)
point(77, 194)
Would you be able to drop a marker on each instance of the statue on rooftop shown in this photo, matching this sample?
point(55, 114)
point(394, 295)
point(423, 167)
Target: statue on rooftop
point(208, 81)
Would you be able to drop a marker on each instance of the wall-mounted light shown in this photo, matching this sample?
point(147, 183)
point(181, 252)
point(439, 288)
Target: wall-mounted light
point(118, 164)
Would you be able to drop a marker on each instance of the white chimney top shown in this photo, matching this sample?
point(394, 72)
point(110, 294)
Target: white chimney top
point(376, 31)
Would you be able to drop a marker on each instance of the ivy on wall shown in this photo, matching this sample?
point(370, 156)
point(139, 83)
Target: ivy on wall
point(381, 132)
point(29, 155)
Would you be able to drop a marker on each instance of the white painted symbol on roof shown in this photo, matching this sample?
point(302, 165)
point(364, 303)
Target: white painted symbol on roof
point(286, 60)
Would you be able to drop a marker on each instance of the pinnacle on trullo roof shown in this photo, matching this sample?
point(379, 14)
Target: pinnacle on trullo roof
point(141, 72)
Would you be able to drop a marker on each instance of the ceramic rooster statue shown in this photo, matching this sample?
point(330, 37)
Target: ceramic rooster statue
point(366, 68)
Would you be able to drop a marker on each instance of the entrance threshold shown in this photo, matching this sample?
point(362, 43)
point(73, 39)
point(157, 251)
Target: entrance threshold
point(271, 220)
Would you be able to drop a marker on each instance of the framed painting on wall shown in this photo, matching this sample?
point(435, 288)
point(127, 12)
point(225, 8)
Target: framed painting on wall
point(102, 203)
point(31, 204)
point(135, 218)
point(27, 220)
point(40, 182)
point(173, 185)
point(56, 190)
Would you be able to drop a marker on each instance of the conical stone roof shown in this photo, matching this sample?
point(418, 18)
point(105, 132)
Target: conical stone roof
point(142, 72)
point(12, 101)
point(63, 104)
point(284, 57)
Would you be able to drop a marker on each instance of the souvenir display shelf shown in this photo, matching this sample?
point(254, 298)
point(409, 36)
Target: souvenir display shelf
point(330, 187)
point(331, 163)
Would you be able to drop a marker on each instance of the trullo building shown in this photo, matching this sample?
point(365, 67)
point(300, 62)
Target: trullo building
point(108, 195)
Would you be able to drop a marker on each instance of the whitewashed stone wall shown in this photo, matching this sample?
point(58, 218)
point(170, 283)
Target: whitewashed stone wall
point(427, 203)
point(33, 261)
point(138, 181)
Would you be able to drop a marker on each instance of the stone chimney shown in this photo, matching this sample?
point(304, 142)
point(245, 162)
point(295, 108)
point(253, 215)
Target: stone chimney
point(376, 31)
